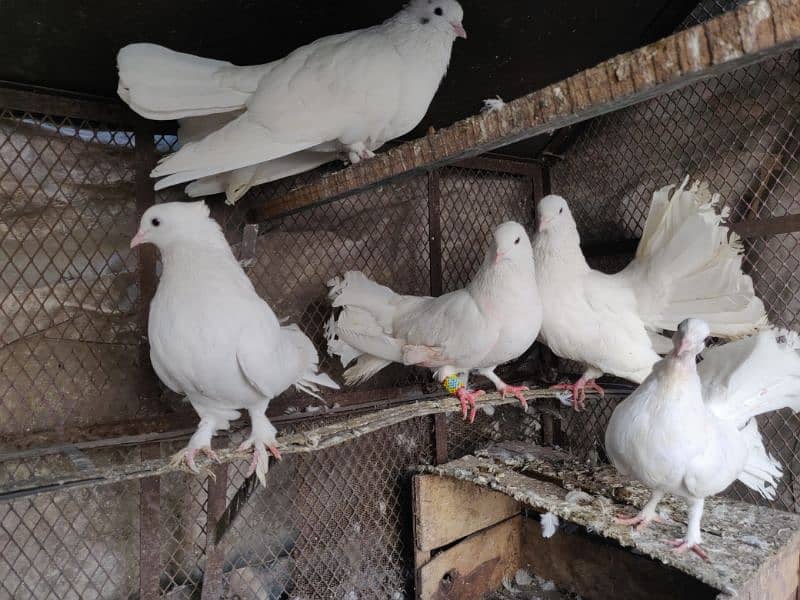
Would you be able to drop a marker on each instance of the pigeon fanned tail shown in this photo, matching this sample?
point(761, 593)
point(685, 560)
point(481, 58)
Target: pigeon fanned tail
point(688, 263)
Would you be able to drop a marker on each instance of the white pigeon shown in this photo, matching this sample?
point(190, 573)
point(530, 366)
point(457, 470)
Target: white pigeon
point(687, 264)
point(691, 431)
point(491, 321)
point(213, 339)
point(347, 93)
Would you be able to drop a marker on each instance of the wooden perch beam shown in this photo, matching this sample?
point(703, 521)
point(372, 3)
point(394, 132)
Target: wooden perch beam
point(735, 39)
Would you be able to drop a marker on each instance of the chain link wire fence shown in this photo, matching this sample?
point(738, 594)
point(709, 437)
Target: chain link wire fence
point(335, 523)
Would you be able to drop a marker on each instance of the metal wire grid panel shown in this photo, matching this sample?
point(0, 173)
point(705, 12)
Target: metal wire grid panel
point(68, 295)
point(738, 132)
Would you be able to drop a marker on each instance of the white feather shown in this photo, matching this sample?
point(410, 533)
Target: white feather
point(549, 523)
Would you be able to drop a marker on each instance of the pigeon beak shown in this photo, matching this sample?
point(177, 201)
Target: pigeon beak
point(542, 223)
point(498, 257)
point(137, 239)
point(682, 347)
point(459, 29)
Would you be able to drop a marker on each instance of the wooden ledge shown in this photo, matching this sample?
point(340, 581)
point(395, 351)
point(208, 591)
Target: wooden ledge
point(735, 39)
point(753, 549)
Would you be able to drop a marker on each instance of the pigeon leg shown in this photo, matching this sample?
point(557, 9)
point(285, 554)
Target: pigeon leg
point(452, 383)
point(504, 388)
point(693, 538)
point(200, 442)
point(262, 441)
point(358, 152)
point(578, 391)
point(646, 516)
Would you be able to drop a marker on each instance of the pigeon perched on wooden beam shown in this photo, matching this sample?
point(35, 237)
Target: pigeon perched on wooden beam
point(347, 93)
point(213, 339)
point(493, 320)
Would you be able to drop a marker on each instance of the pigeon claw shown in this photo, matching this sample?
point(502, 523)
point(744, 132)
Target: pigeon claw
point(259, 464)
point(639, 522)
point(578, 391)
point(516, 391)
point(186, 458)
point(467, 400)
point(681, 546)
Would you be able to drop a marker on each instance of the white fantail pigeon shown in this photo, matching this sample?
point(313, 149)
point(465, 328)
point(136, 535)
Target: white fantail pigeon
point(213, 339)
point(687, 264)
point(347, 93)
point(690, 430)
point(491, 321)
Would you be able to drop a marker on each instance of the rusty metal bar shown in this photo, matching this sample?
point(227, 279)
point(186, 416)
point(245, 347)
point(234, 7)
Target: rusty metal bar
point(215, 553)
point(150, 529)
point(499, 165)
point(145, 198)
point(435, 232)
point(440, 438)
point(751, 228)
point(30, 101)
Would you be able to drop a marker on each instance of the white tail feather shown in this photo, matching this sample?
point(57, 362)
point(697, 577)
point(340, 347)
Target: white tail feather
point(159, 83)
point(365, 367)
point(761, 471)
point(688, 264)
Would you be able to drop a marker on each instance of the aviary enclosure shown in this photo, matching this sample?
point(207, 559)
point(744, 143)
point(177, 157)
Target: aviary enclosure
point(90, 508)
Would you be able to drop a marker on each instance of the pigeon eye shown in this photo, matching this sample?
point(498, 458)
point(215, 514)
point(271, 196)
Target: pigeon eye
point(438, 11)
point(424, 20)
point(155, 222)
point(561, 210)
point(516, 241)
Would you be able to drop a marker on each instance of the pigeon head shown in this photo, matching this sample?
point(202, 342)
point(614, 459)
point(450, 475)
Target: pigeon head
point(690, 338)
point(444, 16)
point(552, 213)
point(177, 222)
point(510, 243)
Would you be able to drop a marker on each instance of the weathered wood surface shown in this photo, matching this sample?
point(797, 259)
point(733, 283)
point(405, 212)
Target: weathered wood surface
point(743, 541)
point(446, 510)
point(473, 567)
point(308, 441)
point(754, 31)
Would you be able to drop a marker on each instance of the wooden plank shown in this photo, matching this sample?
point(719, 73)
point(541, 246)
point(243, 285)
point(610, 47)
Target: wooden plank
point(733, 40)
point(446, 510)
point(59, 105)
point(589, 566)
point(778, 578)
point(473, 567)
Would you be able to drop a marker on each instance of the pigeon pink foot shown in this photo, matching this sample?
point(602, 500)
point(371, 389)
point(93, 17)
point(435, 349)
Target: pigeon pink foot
point(187, 457)
point(467, 399)
point(516, 391)
point(578, 391)
point(638, 521)
point(682, 546)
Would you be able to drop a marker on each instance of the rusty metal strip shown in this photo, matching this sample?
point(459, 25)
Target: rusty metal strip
point(55, 103)
point(150, 530)
point(145, 158)
point(435, 232)
point(440, 438)
point(499, 165)
point(215, 553)
point(763, 227)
